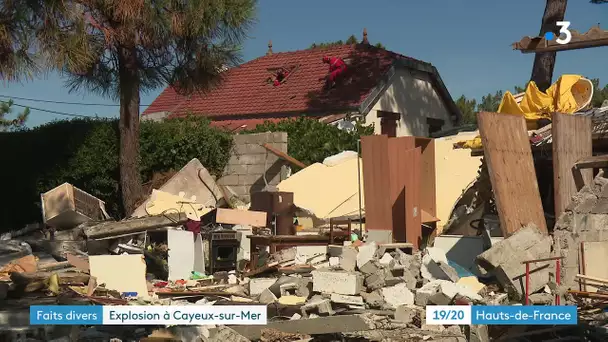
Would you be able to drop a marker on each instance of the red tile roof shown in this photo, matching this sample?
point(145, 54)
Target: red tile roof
point(244, 90)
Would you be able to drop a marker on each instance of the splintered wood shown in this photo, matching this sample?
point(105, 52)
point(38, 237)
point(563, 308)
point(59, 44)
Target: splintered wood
point(571, 135)
point(508, 155)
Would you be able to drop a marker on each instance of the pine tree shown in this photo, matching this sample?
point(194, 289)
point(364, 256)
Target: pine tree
point(16, 123)
point(121, 48)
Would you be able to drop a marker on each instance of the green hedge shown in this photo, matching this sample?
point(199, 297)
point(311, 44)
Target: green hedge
point(311, 141)
point(85, 153)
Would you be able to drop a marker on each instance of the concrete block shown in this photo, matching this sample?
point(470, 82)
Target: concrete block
point(478, 333)
point(373, 299)
point(387, 260)
point(248, 179)
point(397, 295)
point(600, 207)
point(235, 170)
point(511, 275)
point(409, 279)
point(284, 255)
point(329, 281)
point(435, 265)
point(378, 279)
point(425, 292)
point(224, 333)
point(350, 300)
point(449, 271)
point(541, 298)
point(288, 289)
point(229, 180)
point(334, 261)
point(241, 149)
point(258, 169)
point(407, 313)
point(369, 267)
point(586, 203)
point(504, 251)
point(267, 297)
point(258, 285)
point(348, 258)
point(366, 253)
point(321, 307)
point(311, 254)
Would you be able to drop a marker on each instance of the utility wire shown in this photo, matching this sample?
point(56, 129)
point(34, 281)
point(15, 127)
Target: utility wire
point(66, 103)
point(53, 111)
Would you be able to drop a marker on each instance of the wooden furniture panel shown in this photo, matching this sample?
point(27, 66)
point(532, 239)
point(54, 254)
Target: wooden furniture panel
point(509, 157)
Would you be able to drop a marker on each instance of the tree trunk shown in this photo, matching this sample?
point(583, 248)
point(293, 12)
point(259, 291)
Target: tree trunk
point(544, 63)
point(130, 179)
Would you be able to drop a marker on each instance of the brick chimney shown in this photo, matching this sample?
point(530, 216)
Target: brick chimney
point(269, 52)
point(365, 41)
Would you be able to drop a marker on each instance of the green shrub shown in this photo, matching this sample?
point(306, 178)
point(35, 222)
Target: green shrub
point(84, 152)
point(311, 141)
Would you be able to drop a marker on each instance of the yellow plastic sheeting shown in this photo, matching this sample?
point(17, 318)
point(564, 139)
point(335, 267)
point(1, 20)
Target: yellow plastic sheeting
point(326, 191)
point(561, 97)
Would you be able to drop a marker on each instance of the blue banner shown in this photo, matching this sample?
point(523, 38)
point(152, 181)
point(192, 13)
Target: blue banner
point(66, 315)
point(524, 315)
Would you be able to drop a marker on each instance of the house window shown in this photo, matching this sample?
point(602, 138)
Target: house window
point(388, 123)
point(434, 125)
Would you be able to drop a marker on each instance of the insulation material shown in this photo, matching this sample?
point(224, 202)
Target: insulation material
point(326, 191)
point(162, 202)
point(122, 273)
point(593, 252)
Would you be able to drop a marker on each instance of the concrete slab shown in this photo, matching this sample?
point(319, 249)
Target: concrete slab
point(397, 295)
point(329, 281)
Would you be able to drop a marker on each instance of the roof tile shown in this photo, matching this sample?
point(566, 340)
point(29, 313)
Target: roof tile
point(245, 91)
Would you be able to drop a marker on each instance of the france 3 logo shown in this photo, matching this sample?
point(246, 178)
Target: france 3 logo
point(564, 33)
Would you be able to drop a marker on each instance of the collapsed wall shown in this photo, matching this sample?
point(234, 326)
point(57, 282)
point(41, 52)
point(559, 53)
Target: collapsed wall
point(585, 220)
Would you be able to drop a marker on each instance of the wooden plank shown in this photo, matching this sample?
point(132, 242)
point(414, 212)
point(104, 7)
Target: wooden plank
point(428, 196)
point(413, 217)
point(509, 157)
point(376, 182)
point(242, 217)
point(284, 156)
point(138, 225)
point(399, 166)
point(571, 136)
point(594, 162)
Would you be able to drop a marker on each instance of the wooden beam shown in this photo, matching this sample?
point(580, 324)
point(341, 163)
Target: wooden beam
point(594, 37)
point(511, 168)
point(571, 136)
point(112, 228)
point(593, 162)
point(284, 156)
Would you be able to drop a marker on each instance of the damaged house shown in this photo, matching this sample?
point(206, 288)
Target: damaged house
point(401, 96)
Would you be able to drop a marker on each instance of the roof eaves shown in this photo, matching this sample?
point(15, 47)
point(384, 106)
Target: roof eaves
point(374, 95)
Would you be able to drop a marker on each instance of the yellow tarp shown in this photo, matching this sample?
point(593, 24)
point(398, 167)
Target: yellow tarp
point(536, 104)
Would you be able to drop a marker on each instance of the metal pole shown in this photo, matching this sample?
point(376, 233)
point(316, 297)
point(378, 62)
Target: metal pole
point(527, 283)
point(557, 280)
point(359, 180)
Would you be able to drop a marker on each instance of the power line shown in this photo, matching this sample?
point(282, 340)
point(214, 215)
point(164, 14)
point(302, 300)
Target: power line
point(66, 103)
point(52, 111)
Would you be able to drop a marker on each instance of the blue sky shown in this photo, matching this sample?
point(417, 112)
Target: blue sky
point(469, 41)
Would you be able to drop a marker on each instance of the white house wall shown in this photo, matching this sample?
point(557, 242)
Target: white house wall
point(411, 94)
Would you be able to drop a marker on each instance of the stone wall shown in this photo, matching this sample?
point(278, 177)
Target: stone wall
point(585, 220)
point(250, 163)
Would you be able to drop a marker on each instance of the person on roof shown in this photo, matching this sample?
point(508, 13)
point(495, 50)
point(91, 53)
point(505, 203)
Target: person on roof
point(279, 77)
point(336, 67)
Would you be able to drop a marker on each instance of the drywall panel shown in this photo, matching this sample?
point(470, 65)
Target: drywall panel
point(507, 150)
point(122, 273)
point(593, 252)
point(571, 135)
